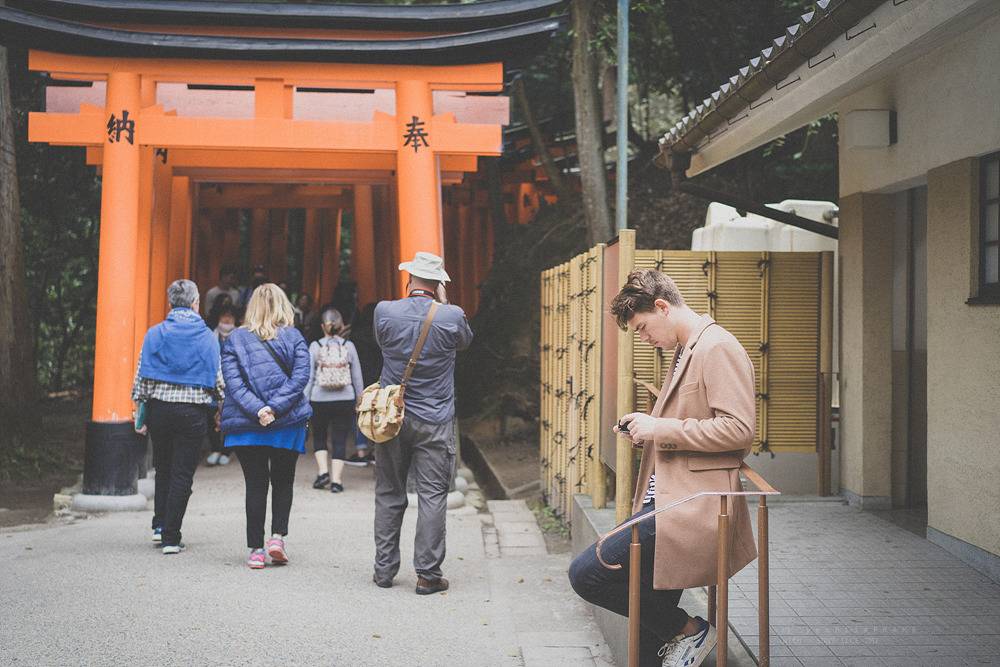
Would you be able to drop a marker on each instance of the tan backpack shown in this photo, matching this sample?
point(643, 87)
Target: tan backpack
point(333, 368)
point(380, 412)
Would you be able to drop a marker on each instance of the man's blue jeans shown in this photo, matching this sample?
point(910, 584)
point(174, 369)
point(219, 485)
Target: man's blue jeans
point(660, 617)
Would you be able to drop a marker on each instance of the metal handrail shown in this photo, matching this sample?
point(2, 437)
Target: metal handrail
point(718, 596)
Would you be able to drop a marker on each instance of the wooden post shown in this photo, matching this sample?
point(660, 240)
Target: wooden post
point(260, 237)
point(598, 476)
point(763, 594)
point(216, 237)
point(634, 568)
point(312, 256)
point(277, 265)
point(722, 583)
point(825, 411)
point(330, 225)
point(363, 240)
point(417, 173)
point(230, 250)
point(178, 263)
point(159, 240)
point(385, 273)
point(144, 229)
point(624, 473)
point(117, 260)
point(143, 251)
point(465, 258)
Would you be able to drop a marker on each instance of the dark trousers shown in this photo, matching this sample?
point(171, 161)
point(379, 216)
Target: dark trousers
point(426, 451)
point(660, 617)
point(263, 466)
point(176, 430)
point(335, 418)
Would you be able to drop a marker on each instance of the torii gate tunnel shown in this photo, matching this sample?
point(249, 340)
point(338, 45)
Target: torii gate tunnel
point(195, 110)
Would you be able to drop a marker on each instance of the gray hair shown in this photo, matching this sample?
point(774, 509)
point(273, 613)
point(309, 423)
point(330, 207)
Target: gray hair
point(182, 293)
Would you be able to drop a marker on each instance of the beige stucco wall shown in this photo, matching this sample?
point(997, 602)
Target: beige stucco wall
point(866, 229)
point(963, 368)
point(947, 104)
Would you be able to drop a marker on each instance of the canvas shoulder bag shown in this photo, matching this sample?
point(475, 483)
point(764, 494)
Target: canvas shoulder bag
point(380, 412)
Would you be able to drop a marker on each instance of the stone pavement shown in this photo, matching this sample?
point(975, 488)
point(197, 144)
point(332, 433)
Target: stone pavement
point(94, 591)
point(849, 588)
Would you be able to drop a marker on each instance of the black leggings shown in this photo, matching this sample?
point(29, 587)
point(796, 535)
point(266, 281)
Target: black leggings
point(263, 465)
point(336, 418)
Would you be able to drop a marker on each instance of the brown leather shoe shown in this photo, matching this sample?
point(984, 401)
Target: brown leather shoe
point(430, 586)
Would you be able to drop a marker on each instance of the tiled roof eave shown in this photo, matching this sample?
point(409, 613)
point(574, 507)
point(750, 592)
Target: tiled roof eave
point(763, 73)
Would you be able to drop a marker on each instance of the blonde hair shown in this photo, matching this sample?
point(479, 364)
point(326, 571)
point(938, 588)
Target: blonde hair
point(269, 310)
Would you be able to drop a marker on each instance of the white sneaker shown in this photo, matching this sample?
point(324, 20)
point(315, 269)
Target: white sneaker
point(223, 460)
point(173, 549)
point(690, 651)
point(213, 458)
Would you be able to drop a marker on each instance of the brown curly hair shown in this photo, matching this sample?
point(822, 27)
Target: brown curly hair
point(639, 293)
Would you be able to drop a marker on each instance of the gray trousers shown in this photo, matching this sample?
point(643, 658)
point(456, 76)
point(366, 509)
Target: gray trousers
point(430, 450)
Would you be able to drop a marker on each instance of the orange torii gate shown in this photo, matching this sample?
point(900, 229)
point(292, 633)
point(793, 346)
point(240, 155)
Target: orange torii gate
point(186, 110)
point(414, 136)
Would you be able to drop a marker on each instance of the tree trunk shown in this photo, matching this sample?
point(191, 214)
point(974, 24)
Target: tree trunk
point(551, 170)
point(494, 189)
point(17, 372)
point(589, 125)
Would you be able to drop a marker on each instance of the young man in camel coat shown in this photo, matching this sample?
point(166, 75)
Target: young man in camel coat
point(694, 439)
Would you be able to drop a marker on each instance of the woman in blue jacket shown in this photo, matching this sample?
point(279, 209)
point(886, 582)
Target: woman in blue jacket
point(266, 367)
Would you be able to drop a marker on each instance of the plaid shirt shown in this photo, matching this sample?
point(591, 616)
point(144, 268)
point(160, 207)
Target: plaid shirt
point(144, 389)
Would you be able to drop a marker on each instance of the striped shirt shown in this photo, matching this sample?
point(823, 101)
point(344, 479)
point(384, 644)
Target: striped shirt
point(146, 389)
point(651, 489)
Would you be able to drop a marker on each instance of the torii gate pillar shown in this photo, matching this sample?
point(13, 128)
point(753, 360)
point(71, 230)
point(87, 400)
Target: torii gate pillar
point(112, 448)
point(419, 188)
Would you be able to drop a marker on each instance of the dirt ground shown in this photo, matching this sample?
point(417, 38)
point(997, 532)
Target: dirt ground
point(50, 460)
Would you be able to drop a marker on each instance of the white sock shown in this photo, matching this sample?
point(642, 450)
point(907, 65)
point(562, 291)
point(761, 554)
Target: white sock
point(337, 471)
point(321, 461)
point(277, 536)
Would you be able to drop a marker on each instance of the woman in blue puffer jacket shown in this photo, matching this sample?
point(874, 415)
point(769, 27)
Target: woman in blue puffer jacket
point(266, 367)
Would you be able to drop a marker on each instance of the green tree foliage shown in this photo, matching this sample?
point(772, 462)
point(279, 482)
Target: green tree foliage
point(60, 203)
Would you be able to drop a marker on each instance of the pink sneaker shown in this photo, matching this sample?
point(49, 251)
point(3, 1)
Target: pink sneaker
point(257, 559)
point(276, 550)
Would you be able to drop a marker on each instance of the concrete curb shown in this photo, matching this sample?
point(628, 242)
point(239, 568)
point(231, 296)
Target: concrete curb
point(147, 487)
point(492, 483)
point(83, 502)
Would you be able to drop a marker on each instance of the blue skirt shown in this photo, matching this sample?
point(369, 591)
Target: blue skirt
point(290, 437)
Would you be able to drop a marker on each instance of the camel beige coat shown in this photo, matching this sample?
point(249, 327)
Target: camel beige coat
point(707, 417)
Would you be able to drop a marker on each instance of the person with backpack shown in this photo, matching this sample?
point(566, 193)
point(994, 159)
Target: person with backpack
point(334, 387)
point(265, 413)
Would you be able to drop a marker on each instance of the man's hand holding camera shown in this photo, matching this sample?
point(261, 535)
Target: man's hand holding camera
point(636, 426)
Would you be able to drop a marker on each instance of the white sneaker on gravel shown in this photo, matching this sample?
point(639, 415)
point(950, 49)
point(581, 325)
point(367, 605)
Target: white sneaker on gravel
point(689, 651)
point(173, 549)
point(213, 459)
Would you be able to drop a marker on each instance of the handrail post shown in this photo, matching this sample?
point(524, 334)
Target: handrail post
point(722, 583)
point(763, 594)
point(711, 604)
point(635, 563)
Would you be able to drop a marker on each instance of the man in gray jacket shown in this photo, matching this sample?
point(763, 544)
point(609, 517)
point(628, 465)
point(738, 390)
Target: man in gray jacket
point(427, 436)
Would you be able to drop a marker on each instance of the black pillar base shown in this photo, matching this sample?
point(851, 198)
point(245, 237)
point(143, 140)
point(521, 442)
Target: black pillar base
point(112, 456)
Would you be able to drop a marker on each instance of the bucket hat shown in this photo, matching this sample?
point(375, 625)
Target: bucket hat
point(427, 266)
